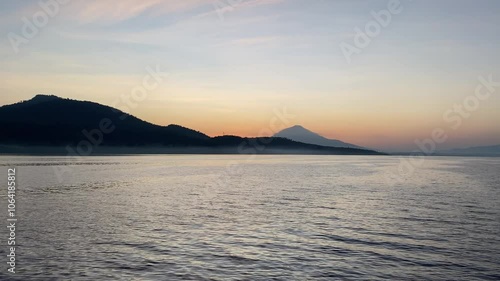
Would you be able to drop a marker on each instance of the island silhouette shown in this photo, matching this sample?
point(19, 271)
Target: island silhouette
point(48, 124)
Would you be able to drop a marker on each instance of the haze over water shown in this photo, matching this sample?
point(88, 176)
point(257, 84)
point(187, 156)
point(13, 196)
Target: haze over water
point(266, 218)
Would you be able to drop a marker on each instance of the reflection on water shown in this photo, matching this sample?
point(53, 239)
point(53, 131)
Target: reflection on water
point(267, 218)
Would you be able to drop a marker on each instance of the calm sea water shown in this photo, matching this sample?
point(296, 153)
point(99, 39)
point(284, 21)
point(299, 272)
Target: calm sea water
point(266, 218)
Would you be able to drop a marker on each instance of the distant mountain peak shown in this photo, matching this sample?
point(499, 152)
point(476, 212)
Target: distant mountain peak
point(298, 132)
point(301, 134)
point(301, 128)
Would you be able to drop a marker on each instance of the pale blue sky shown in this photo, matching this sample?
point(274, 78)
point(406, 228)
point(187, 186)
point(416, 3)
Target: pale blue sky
point(229, 74)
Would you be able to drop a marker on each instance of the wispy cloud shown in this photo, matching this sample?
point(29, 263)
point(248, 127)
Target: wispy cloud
point(109, 11)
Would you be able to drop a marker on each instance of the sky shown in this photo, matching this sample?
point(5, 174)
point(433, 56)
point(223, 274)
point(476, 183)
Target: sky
point(234, 65)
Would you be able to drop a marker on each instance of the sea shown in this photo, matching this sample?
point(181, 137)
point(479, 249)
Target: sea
point(248, 217)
